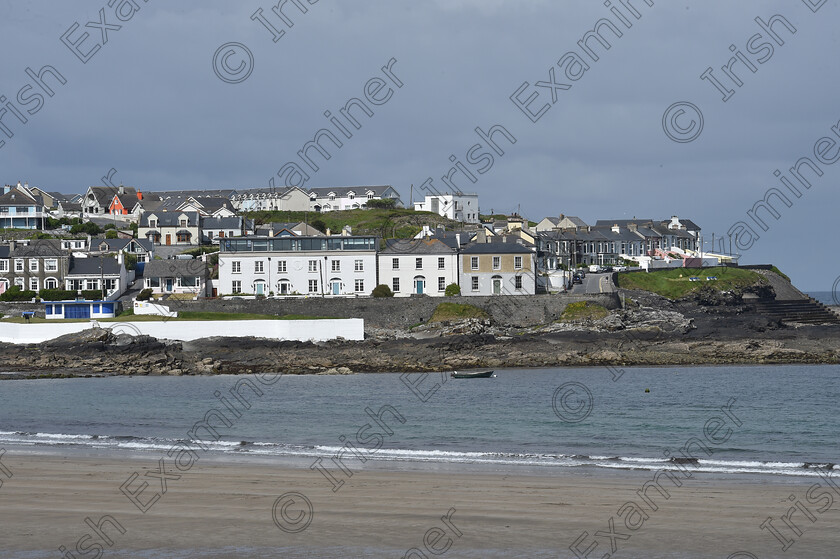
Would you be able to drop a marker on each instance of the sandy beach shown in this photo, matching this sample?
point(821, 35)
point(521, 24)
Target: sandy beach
point(231, 509)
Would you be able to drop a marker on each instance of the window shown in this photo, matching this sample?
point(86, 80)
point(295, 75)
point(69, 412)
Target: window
point(188, 281)
point(335, 265)
point(475, 283)
point(313, 265)
point(281, 266)
point(183, 237)
point(236, 267)
point(182, 223)
point(19, 265)
point(19, 282)
point(517, 262)
point(236, 286)
point(359, 266)
point(351, 196)
point(258, 266)
point(4, 265)
point(441, 284)
point(441, 263)
point(395, 285)
point(152, 282)
point(517, 282)
point(474, 262)
point(313, 286)
point(152, 224)
point(418, 263)
point(360, 286)
point(370, 195)
point(33, 284)
point(395, 263)
point(33, 264)
point(51, 283)
point(497, 262)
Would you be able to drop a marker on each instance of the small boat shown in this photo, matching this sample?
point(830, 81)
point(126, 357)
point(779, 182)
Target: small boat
point(476, 374)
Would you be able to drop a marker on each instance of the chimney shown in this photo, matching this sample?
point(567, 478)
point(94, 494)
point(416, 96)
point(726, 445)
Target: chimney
point(121, 190)
point(139, 195)
point(458, 240)
point(615, 228)
point(328, 232)
point(632, 227)
point(12, 246)
point(120, 258)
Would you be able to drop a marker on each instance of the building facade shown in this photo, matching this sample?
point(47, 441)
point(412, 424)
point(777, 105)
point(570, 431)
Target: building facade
point(457, 207)
point(496, 268)
point(350, 197)
point(418, 267)
point(314, 266)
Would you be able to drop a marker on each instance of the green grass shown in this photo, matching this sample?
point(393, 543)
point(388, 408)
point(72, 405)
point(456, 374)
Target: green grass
point(457, 311)
point(779, 272)
point(674, 283)
point(401, 223)
point(582, 310)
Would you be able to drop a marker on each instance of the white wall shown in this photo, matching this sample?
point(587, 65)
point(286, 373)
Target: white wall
point(408, 271)
point(300, 330)
point(297, 271)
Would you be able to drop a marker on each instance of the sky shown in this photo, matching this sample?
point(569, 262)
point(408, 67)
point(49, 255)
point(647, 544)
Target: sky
point(221, 94)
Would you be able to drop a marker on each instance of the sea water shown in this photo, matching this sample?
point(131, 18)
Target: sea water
point(778, 420)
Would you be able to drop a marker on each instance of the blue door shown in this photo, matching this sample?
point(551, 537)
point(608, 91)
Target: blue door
point(77, 311)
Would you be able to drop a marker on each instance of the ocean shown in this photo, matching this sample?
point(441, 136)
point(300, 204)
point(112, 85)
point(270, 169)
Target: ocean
point(826, 297)
point(723, 420)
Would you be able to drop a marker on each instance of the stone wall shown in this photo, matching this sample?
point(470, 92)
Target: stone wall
point(403, 312)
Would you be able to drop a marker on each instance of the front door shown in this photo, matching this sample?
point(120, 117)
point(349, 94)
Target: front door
point(259, 288)
point(419, 285)
point(168, 283)
point(284, 288)
point(336, 287)
point(168, 239)
point(497, 286)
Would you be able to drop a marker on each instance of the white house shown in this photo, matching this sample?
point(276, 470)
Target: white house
point(177, 276)
point(90, 273)
point(349, 197)
point(293, 199)
point(418, 266)
point(457, 207)
point(315, 266)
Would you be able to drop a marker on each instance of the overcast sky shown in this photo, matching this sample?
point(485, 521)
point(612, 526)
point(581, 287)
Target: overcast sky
point(149, 104)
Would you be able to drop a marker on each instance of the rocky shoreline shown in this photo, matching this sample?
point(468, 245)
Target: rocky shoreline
point(650, 331)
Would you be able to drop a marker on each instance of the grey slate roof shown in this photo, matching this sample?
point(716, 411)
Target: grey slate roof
point(175, 268)
point(169, 219)
point(40, 247)
point(417, 246)
point(4, 251)
point(341, 191)
point(15, 196)
point(90, 267)
point(232, 222)
point(496, 248)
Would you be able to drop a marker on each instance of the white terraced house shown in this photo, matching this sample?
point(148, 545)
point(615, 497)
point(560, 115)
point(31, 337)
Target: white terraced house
point(314, 266)
point(418, 266)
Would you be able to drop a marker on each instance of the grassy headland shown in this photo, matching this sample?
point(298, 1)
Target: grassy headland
point(675, 283)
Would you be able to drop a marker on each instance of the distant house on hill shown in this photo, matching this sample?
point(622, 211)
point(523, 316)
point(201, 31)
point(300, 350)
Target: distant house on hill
point(334, 198)
point(21, 209)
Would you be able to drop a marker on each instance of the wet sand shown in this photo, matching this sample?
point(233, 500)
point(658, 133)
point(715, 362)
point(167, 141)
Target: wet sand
point(231, 509)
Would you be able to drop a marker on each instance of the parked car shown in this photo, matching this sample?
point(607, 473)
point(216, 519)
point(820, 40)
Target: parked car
point(581, 272)
point(594, 269)
point(577, 279)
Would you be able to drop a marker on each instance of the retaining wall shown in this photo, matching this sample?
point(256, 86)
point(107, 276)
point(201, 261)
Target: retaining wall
point(300, 330)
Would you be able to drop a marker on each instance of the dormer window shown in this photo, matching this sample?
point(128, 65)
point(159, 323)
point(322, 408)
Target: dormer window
point(351, 195)
point(152, 223)
point(370, 195)
point(183, 222)
point(332, 195)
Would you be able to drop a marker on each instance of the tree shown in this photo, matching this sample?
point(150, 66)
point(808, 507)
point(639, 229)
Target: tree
point(111, 234)
point(452, 289)
point(382, 290)
point(319, 225)
point(90, 228)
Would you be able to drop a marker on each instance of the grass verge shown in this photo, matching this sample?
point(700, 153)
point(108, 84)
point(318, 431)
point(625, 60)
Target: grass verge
point(675, 283)
point(457, 311)
point(583, 310)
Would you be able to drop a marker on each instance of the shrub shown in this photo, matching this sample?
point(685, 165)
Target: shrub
point(382, 290)
point(111, 234)
point(452, 289)
point(145, 295)
point(385, 203)
point(15, 293)
point(89, 228)
point(57, 294)
point(92, 294)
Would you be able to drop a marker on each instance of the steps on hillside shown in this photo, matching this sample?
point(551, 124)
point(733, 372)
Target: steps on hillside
point(804, 311)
